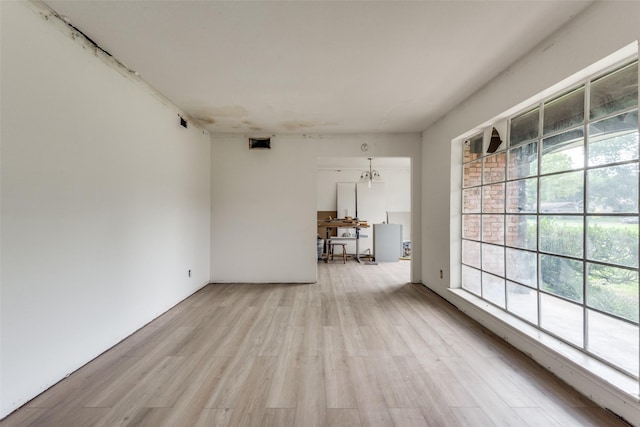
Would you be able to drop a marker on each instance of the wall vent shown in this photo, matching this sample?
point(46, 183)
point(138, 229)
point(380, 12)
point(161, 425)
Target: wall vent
point(259, 143)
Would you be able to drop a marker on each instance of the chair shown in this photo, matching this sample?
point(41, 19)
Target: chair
point(332, 246)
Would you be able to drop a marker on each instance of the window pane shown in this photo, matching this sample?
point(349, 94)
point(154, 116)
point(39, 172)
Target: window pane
point(493, 289)
point(562, 318)
point(563, 152)
point(612, 241)
point(472, 148)
point(614, 139)
point(471, 279)
point(523, 161)
point(562, 235)
point(522, 196)
point(562, 193)
point(615, 92)
point(493, 198)
point(472, 174)
point(522, 231)
point(493, 229)
point(524, 127)
point(614, 340)
point(493, 259)
point(523, 302)
point(613, 189)
point(471, 227)
point(494, 167)
point(562, 277)
point(522, 267)
point(471, 253)
point(471, 200)
point(614, 290)
point(495, 140)
point(564, 112)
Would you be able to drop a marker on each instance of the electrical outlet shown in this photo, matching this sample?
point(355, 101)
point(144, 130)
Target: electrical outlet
point(441, 274)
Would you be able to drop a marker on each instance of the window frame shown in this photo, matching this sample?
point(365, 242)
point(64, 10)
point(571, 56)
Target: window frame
point(584, 214)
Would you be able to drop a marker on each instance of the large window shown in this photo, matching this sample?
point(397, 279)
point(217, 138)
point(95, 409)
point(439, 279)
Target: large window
point(550, 217)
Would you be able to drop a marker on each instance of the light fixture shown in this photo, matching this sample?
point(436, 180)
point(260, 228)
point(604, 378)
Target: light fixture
point(371, 175)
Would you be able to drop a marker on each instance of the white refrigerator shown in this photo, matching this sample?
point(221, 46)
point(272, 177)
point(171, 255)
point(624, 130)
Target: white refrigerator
point(387, 242)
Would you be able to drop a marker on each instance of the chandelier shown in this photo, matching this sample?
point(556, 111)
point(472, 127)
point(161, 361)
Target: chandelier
point(370, 175)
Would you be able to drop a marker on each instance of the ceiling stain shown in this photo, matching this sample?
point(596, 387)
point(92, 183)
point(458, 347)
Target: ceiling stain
point(226, 111)
point(205, 120)
point(301, 125)
point(256, 128)
point(209, 116)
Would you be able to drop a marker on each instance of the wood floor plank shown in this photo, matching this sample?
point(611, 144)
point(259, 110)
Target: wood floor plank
point(473, 417)
point(414, 342)
point(536, 417)
point(311, 407)
point(230, 377)
point(407, 417)
point(343, 417)
point(85, 382)
point(438, 372)
point(177, 382)
point(283, 391)
point(127, 406)
point(362, 347)
point(554, 397)
point(329, 307)
point(214, 418)
point(23, 417)
point(275, 333)
point(312, 344)
point(278, 417)
point(199, 390)
point(299, 307)
point(144, 370)
point(374, 343)
point(394, 343)
point(495, 375)
point(338, 385)
point(397, 389)
point(369, 396)
point(249, 408)
point(288, 295)
point(149, 417)
point(495, 407)
point(64, 416)
point(351, 331)
point(434, 401)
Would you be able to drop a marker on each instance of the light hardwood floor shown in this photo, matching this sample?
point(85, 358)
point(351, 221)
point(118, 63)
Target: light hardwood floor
point(361, 347)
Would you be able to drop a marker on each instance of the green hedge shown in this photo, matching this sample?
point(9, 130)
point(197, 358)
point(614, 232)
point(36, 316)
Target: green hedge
point(613, 290)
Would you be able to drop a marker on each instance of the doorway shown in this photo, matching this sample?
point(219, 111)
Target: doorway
point(385, 199)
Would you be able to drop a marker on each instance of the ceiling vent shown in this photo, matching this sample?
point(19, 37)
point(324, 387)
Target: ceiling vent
point(259, 143)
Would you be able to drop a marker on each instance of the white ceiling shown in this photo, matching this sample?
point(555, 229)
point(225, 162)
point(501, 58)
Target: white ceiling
point(317, 67)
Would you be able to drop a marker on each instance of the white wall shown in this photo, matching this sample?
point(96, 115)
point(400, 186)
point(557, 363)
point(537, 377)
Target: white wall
point(264, 212)
point(105, 205)
point(263, 215)
point(578, 45)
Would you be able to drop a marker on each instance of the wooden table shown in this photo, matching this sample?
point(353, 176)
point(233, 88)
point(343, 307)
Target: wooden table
point(342, 223)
